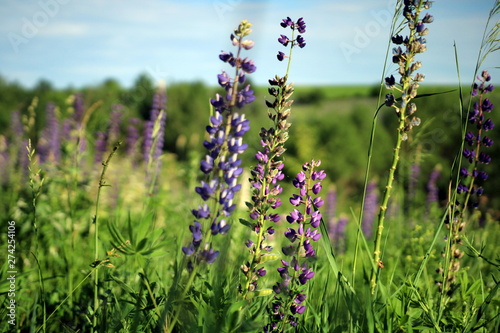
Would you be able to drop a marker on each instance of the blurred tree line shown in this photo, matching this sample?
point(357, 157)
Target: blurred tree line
point(335, 130)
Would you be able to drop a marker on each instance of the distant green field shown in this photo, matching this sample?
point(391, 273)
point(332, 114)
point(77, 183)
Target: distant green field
point(329, 92)
point(333, 92)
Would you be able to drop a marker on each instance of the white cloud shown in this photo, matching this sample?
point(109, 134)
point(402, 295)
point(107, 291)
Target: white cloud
point(65, 29)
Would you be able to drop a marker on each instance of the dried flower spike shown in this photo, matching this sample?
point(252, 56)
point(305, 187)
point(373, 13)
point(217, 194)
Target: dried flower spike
point(403, 55)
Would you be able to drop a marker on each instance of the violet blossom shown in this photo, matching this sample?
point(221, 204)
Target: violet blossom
point(303, 232)
point(222, 163)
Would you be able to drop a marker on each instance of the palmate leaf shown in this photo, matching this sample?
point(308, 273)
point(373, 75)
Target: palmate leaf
point(150, 245)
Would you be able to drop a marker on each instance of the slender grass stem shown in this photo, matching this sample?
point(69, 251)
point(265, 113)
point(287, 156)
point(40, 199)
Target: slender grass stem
point(102, 183)
point(36, 182)
point(150, 291)
point(66, 298)
point(394, 27)
point(367, 171)
point(175, 319)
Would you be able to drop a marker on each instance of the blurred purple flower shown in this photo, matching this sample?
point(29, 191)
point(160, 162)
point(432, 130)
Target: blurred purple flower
point(49, 144)
point(101, 143)
point(78, 109)
point(132, 142)
point(370, 209)
point(114, 124)
point(159, 104)
point(432, 188)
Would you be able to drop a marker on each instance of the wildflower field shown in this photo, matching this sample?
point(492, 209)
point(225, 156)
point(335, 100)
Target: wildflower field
point(256, 206)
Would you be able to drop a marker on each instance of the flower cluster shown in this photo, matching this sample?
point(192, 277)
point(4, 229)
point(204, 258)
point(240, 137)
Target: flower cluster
point(469, 188)
point(267, 174)
point(403, 56)
point(477, 140)
point(300, 26)
point(296, 273)
point(221, 164)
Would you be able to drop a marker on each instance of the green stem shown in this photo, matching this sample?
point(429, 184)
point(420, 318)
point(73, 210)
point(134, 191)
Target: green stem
point(406, 97)
point(290, 55)
point(150, 291)
point(383, 206)
point(256, 255)
point(363, 199)
point(102, 183)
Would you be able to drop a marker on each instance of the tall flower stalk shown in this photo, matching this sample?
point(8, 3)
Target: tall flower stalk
point(221, 165)
point(404, 56)
point(267, 174)
point(95, 221)
point(305, 220)
point(469, 190)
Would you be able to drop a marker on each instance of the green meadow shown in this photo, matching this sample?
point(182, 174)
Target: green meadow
point(264, 208)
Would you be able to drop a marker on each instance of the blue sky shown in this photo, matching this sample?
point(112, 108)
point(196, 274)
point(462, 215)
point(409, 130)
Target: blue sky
point(77, 43)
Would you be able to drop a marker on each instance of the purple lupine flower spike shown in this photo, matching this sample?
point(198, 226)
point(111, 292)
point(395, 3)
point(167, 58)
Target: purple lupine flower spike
point(302, 234)
point(415, 171)
point(267, 174)
point(4, 160)
point(299, 41)
point(471, 180)
point(477, 140)
point(222, 162)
